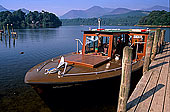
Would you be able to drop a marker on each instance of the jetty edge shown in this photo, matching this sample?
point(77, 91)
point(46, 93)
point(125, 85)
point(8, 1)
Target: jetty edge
point(152, 91)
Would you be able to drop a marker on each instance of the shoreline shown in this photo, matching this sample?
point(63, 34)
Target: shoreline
point(159, 26)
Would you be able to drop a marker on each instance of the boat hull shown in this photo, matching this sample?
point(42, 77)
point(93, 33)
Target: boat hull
point(52, 80)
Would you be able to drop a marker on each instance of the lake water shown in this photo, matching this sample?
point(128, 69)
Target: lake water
point(39, 45)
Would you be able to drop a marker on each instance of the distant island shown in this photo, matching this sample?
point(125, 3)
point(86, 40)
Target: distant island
point(19, 19)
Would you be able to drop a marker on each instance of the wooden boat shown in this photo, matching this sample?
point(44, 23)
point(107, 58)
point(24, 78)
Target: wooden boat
point(100, 58)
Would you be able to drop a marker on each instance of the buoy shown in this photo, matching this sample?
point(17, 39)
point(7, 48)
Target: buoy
point(21, 52)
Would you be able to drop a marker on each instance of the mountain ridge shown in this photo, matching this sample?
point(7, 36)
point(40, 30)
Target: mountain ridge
point(157, 7)
point(95, 11)
point(99, 11)
point(4, 9)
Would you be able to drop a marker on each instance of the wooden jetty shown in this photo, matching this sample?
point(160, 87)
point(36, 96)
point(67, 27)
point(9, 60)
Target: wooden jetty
point(152, 93)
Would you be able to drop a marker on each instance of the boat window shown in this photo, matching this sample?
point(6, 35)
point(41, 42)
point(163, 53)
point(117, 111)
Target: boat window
point(105, 45)
point(123, 38)
point(130, 41)
point(105, 40)
point(119, 45)
point(141, 44)
point(91, 43)
point(97, 45)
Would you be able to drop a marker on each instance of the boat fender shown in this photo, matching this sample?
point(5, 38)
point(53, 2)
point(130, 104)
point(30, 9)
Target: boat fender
point(107, 65)
point(109, 58)
point(117, 57)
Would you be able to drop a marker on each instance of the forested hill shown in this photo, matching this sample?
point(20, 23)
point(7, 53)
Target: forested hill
point(156, 18)
point(31, 20)
point(127, 19)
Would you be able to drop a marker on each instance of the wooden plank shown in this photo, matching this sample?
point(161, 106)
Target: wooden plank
point(148, 93)
point(146, 98)
point(167, 92)
point(158, 99)
point(167, 96)
point(138, 91)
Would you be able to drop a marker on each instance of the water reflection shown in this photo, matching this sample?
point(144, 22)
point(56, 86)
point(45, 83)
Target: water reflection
point(0, 36)
point(14, 42)
point(7, 41)
point(99, 96)
point(37, 35)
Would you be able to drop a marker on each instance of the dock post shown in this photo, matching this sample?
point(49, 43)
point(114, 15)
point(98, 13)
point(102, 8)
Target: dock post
point(155, 44)
point(125, 79)
point(1, 36)
point(4, 30)
point(14, 42)
point(8, 30)
point(159, 41)
point(148, 53)
point(13, 34)
point(162, 38)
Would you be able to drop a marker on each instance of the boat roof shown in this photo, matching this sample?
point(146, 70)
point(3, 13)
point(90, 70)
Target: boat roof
point(113, 31)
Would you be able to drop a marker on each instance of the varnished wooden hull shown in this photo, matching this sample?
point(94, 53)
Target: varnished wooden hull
point(77, 75)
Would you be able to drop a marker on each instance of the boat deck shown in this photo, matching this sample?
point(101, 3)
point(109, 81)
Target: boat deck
point(152, 93)
point(91, 61)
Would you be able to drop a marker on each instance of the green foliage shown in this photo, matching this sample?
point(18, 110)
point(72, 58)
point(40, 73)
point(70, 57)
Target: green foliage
point(156, 18)
point(128, 19)
point(32, 20)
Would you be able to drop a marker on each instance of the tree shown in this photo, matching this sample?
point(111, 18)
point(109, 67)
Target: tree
point(156, 18)
point(32, 20)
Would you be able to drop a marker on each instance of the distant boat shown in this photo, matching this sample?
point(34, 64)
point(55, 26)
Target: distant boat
point(100, 58)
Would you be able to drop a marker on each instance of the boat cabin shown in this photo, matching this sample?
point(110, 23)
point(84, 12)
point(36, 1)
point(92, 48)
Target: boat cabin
point(101, 45)
point(111, 42)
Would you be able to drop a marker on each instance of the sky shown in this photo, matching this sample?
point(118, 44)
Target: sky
point(59, 7)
